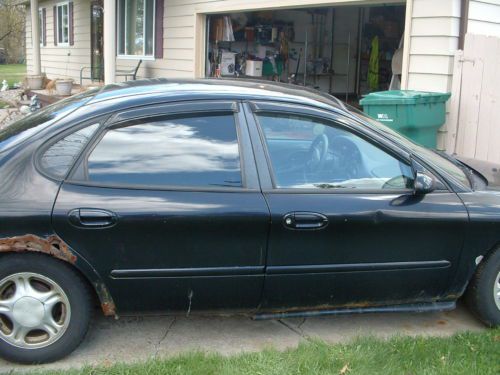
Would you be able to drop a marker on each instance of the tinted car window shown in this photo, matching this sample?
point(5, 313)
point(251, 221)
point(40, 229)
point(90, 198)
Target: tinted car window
point(309, 153)
point(186, 151)
point(37, 121)
point(58, 158)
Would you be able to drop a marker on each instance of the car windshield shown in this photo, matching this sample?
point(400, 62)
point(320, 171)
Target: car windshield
point(440, 162)
point(37, 121)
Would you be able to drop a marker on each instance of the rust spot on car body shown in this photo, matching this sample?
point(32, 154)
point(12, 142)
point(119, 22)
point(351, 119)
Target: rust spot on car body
point(52, 245)
point(107, 304)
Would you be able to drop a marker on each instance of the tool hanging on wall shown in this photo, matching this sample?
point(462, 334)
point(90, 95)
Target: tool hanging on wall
point(373, 66)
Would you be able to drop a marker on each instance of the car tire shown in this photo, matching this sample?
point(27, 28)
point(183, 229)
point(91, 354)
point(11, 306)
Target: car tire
point(49, 304)
point(483, 294)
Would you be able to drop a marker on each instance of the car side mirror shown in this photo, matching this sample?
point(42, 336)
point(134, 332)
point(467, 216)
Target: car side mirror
point(424, 183)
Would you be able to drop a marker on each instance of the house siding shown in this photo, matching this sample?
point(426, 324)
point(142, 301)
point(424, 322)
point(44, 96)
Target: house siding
point(62, 61)
point(484, 17)
point(434, 38)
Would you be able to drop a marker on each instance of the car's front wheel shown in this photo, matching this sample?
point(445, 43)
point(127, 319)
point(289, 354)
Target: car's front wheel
point(483, 295)
point(45, 308)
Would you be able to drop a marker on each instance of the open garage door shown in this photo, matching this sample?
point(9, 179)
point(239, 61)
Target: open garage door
point(347, 51)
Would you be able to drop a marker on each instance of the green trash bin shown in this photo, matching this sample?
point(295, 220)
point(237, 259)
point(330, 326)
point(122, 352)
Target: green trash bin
point(415, 114)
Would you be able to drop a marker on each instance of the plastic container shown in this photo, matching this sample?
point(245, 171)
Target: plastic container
point(415, 114)
point(253, 68)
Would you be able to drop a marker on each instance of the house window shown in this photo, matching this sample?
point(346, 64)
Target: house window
point(40, 26)
point(63, 23)
point(136, 27)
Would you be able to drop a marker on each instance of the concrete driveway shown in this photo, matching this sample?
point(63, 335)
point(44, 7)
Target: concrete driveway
point(132, 339)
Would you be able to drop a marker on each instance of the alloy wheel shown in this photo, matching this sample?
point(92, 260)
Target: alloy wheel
point(34, 310)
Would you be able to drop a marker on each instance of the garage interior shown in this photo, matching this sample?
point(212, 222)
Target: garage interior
point(346, 51)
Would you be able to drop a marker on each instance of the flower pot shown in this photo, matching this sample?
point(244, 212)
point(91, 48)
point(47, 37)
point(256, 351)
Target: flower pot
point(34, 82)
point(64, 86)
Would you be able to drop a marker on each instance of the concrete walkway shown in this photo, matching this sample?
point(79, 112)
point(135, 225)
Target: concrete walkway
point(132, 339)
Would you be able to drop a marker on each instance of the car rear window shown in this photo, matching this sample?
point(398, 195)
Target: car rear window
point(37, 121)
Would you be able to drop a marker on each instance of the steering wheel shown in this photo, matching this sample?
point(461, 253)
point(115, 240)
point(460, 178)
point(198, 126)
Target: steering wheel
point(317, 153)
point(348, 162)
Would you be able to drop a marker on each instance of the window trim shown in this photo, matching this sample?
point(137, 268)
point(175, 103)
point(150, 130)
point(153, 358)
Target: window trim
point(59, 42)
point(143, 56)
point(79, 167)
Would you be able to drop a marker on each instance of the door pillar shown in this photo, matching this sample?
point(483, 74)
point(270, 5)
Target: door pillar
point(109, 41)
point(35, 38)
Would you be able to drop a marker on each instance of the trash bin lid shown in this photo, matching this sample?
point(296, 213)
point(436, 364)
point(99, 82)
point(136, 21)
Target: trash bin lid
point(405, 97)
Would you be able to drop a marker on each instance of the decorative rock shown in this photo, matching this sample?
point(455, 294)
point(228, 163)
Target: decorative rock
point(25, 109)
point(5, 85)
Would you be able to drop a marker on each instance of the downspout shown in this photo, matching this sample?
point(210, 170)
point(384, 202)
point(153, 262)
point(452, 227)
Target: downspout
point(464, 21)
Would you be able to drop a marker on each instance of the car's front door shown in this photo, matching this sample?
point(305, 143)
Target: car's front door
point(346, 228)
point(165, 204)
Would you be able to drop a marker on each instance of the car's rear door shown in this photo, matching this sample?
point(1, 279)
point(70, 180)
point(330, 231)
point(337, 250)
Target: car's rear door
point(346, 228)
point(166, 205)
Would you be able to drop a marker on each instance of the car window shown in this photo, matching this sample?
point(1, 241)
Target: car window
point(181, 151)
point(311, 153)
point(58, 158)
point(437, 161)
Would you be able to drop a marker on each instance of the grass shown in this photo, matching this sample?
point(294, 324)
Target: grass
point(13, 73)
point(466, 353)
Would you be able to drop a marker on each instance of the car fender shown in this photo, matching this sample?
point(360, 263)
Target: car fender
point(54, 246)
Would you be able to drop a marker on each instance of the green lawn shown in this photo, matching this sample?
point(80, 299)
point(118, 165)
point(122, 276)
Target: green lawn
point(467, 353)
point(13, 73)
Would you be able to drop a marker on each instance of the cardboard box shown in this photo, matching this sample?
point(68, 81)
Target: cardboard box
point(227, 63)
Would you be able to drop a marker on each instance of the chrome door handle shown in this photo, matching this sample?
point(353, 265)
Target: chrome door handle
point(305, 221)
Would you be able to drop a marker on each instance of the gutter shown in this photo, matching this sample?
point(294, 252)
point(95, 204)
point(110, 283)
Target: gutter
point(464, 20)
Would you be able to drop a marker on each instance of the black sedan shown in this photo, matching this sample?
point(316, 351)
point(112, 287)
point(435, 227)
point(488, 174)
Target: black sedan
point(204, 195)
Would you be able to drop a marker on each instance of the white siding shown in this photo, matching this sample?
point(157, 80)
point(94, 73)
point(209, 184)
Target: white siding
point(58, 61)
point(484, 17)
point(433, 41)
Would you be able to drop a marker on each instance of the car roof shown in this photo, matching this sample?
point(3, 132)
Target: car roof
point(195, 89)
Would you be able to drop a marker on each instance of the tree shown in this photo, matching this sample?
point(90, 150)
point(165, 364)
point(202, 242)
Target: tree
point(12, 30)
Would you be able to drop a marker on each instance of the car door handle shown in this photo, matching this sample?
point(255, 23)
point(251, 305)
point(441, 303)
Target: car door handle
point(91, 217)
point(305, 221)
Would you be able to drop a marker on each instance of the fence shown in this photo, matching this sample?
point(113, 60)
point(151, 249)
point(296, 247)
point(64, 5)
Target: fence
point(474, 121)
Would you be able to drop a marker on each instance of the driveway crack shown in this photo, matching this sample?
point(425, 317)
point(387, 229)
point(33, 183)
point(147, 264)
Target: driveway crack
point(169, 328)
point(297, 330)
